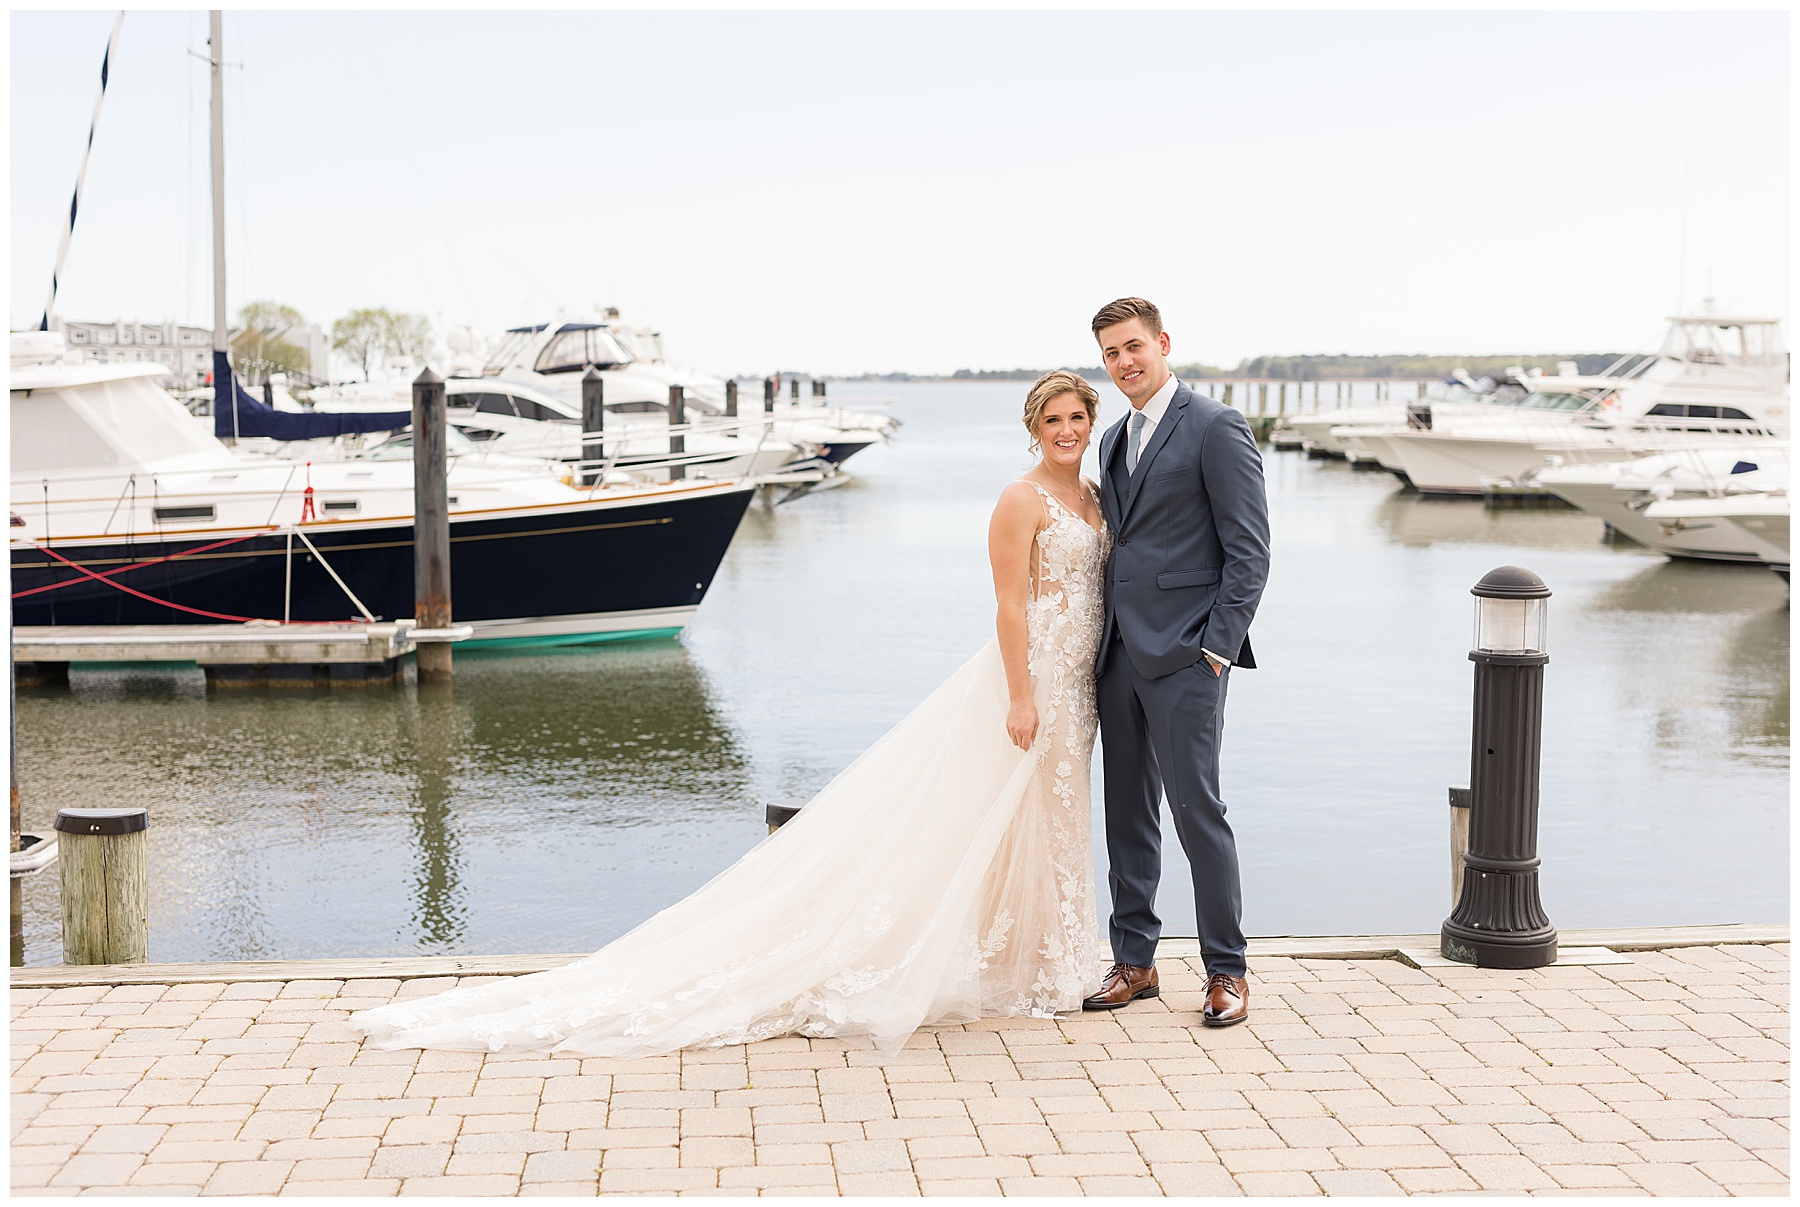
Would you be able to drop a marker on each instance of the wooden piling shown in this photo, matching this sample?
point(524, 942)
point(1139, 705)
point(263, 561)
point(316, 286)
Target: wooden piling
point(593, 423)
point(731, 399)
point(677, 417)
point(104, 856)
point(1281, 399)
point(794, 390)
point(1459, 840)
point(1227, 399)
point(818, 388)
point(431, 524)
point(1262, 398)
point(777, 813)
point(768, 395)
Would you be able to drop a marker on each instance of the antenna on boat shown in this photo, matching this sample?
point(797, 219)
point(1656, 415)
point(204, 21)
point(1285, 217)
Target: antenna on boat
point(62, 250)
point(223, 391)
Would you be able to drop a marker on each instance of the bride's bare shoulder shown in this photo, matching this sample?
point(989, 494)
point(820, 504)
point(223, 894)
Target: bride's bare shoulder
point(1019, 503)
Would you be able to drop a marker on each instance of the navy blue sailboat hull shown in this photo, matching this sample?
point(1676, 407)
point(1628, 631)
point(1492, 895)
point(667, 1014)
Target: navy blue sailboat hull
point(574, 572)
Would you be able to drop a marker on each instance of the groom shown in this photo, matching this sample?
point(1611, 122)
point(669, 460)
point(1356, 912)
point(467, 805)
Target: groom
point(1181, 487)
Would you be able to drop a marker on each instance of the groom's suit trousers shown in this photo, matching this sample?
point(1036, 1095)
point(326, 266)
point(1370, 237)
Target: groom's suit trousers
point(1162, 736)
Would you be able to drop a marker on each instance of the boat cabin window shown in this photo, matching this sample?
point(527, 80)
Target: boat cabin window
point(576, 349)
point(169, 515)
point(1676, 410)
point(509, 350)
point(636, 408)
point(1541, 401)
point(514, 406)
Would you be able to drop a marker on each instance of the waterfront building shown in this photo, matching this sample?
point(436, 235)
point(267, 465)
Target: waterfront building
point(187, 351)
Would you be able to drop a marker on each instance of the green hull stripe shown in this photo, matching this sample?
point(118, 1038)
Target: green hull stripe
point(505, 643)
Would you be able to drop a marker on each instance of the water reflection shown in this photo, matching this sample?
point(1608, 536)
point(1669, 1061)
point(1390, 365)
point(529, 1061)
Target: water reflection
point(1411, 519)
point(376, 820)
point(438, 908)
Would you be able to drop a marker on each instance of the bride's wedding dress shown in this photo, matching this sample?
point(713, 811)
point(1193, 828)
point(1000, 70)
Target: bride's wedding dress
point(942, 876)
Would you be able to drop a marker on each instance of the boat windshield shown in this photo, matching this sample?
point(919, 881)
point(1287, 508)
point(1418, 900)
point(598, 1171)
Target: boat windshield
point(575, 348)
point(509, 349)
point(1551, 401)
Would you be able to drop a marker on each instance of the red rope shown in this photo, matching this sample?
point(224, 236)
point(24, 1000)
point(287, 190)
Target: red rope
point(130, 591)
point(69, 582)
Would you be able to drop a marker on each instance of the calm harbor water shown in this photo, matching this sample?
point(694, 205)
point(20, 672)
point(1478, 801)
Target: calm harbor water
point(557, 799)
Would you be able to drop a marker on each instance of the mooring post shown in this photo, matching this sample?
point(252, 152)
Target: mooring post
point(777, 813)
point(1499, 920)
point(768, 395)
point(17, 895)
point(1459, 839)
point(431, 524)
point(731, 399)
point(105, 885)
point(1281, 399)
point(593, 424)
point(794, 390)
point(1227, 399)
point(678, 443)
point(1262, 399)
point(818, 387)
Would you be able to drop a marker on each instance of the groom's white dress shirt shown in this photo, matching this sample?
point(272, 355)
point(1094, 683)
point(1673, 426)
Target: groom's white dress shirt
point(1154, 408)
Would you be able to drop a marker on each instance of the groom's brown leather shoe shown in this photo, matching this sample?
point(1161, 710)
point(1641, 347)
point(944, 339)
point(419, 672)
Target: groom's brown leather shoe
point(1227, 1000)
point(1124, 983)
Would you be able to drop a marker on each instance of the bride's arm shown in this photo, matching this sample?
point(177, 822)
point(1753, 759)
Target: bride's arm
point(1010, 535)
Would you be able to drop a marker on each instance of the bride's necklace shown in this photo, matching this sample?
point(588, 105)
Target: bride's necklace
point(1075, 509)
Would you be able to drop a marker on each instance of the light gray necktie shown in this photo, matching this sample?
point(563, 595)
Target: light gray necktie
point(1131, 443)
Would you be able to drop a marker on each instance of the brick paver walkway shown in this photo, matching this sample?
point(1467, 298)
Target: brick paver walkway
point(1666, 1075)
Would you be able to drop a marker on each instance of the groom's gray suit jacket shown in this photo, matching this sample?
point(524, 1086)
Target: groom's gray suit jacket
point(1190, 538)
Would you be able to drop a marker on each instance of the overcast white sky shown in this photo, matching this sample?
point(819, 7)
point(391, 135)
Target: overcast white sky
point(844, 192)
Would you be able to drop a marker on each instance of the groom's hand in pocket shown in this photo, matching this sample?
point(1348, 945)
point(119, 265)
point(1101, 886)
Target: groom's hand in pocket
point(1022, 723)
point(1213, 664)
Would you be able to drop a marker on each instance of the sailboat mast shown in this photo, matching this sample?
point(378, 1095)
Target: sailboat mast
point(223, 393)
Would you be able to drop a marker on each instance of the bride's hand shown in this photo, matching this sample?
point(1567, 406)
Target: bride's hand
point(1022, 723)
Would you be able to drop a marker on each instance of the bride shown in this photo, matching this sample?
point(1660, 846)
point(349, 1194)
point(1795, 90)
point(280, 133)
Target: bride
point(945, 875)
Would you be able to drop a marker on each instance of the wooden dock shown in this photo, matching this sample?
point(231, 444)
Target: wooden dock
point(230, 653)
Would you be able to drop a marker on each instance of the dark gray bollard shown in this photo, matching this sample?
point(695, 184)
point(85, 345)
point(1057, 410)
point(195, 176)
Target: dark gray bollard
point(104, 855)
point(1499, 921)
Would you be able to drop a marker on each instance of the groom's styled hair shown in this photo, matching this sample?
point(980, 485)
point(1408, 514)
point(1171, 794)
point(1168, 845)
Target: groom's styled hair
point(1126, 309)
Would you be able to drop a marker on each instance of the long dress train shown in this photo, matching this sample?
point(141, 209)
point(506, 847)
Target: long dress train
point(943, 876)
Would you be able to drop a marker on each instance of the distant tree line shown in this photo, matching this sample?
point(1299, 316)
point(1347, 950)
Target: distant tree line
point(1342, 368)
point(1307, 368)
point(261, 347)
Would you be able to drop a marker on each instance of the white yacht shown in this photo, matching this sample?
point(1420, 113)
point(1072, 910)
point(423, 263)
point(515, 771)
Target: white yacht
point(1758, 519)
point(1619, 492)
point(1338, 432)
point(1716, 382)
point(553, 356)
point(127, 511)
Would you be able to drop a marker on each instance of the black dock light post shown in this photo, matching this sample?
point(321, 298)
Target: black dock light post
point(593, 424)
point(1499, 921)
point(677, 417)
point(431, 524)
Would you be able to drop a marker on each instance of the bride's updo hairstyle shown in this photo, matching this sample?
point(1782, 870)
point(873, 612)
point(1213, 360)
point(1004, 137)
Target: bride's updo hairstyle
point(1055, 384)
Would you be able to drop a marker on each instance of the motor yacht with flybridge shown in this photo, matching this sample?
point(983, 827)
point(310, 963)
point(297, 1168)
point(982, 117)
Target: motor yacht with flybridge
point(1717, 381)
